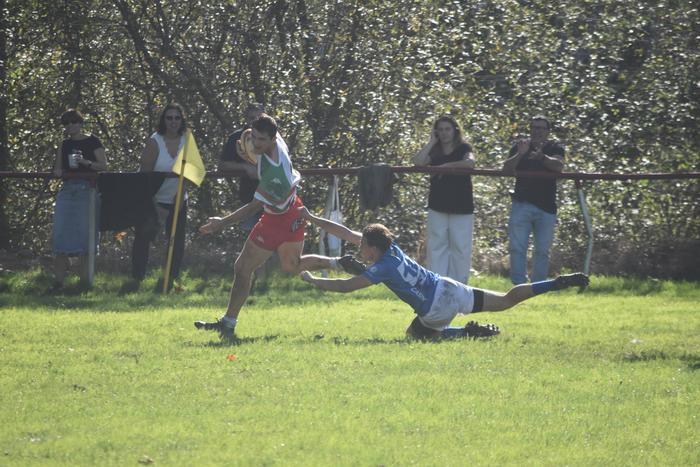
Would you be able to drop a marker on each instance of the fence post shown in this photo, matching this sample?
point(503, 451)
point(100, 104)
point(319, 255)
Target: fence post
point(92, 226)
point(589, 226)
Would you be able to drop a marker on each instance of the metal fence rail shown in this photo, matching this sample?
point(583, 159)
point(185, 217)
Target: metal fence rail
point(354, 171)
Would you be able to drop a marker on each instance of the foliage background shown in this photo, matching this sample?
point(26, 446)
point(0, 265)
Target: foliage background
point(357, 82)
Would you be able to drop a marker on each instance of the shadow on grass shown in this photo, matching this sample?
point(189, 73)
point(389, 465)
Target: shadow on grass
point(694, 365)
point(691, 360)
point(117, 293)
point(626, 286)
point(320, 338)
point(234, 342)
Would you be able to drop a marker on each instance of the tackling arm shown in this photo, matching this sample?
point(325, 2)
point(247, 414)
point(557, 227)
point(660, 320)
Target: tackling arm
point(332, 228)
point(336, 285)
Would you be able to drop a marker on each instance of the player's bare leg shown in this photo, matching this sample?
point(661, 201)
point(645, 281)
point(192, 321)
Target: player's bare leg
point(248, 261)
point(495, 301)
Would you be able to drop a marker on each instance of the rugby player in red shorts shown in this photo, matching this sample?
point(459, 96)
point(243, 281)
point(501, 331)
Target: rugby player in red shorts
point(280, 228)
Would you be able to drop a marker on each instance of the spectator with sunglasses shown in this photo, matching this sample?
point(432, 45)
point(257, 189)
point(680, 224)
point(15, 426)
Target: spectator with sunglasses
point(159, 155)
point(80, 153)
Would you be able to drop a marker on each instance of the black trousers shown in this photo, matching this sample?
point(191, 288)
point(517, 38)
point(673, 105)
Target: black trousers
point(146, 232)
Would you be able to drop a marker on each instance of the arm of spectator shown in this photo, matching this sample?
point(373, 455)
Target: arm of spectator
point(99, 165)
point(511, 163)
point(58, 164)
point(149, 156)
point(422, 158)
point(467, 163)
point(250, 170)
point(553, 163)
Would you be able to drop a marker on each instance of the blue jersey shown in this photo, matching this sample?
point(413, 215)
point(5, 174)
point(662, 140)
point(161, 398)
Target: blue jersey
point(410, 281)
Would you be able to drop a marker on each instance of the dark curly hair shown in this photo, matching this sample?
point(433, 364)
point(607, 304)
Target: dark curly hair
point(378, 236)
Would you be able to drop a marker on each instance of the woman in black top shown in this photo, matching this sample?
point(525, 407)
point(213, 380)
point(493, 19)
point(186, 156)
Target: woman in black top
point(450, 202)
point(79, 153)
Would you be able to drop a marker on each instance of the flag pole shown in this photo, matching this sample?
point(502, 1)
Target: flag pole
point(173, 229)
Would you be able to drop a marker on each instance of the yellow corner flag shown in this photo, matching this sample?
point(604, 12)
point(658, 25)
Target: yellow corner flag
point(194, 170)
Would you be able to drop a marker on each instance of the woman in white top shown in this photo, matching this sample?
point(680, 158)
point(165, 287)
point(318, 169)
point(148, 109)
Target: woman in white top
point(159, 155)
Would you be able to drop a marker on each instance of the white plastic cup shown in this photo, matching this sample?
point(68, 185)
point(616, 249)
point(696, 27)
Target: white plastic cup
point(73, 159)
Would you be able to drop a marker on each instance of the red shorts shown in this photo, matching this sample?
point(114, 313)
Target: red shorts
point(272, 230)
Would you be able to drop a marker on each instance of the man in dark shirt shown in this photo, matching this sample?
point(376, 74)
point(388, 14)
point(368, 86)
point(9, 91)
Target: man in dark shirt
point(231, 160)
point(534, 201)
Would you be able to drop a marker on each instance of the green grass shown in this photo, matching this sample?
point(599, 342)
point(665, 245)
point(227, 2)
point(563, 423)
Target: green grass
point(608, 377)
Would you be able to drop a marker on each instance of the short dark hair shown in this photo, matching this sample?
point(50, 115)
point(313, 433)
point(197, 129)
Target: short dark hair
point(71, 116)
point(378, 236)
point(265, 124)
point(541, 118)
point(161, 118)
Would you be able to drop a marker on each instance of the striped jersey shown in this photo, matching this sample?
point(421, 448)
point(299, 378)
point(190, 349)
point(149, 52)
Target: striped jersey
point(277, 181)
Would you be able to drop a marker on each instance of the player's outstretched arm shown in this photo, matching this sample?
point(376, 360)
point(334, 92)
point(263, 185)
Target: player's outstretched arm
point(336, 285)
point(331, 227)
point(216, 224)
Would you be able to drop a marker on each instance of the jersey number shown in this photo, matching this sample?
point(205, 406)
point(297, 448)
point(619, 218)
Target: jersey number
point(409, 272)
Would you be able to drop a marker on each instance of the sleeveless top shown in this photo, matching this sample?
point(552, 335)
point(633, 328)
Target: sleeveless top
point(277, 181)
point(165, 162)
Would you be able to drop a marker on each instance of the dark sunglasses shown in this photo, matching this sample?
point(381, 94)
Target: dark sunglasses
point(173, 117)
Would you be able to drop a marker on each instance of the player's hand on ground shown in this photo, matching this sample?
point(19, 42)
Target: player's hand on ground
point(214, 225)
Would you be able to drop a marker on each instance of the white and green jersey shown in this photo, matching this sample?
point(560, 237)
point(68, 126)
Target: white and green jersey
point(278, 181)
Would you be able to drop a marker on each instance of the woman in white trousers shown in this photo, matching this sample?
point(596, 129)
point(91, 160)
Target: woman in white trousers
point(450, 200)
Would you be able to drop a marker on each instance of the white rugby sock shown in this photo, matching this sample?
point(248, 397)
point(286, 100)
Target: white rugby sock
point(230, 322)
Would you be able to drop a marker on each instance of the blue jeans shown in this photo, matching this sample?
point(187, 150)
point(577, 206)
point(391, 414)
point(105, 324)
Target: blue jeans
point(526, 218)
point(71, 219)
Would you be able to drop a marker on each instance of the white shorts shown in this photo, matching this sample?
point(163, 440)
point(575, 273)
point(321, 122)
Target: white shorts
point(451, 299)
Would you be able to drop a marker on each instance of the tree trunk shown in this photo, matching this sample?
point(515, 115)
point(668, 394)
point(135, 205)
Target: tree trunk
point(4, 163)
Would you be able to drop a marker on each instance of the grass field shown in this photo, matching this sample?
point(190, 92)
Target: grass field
point(607, 377)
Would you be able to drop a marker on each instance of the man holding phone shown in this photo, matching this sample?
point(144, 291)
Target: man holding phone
point(534, 201)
